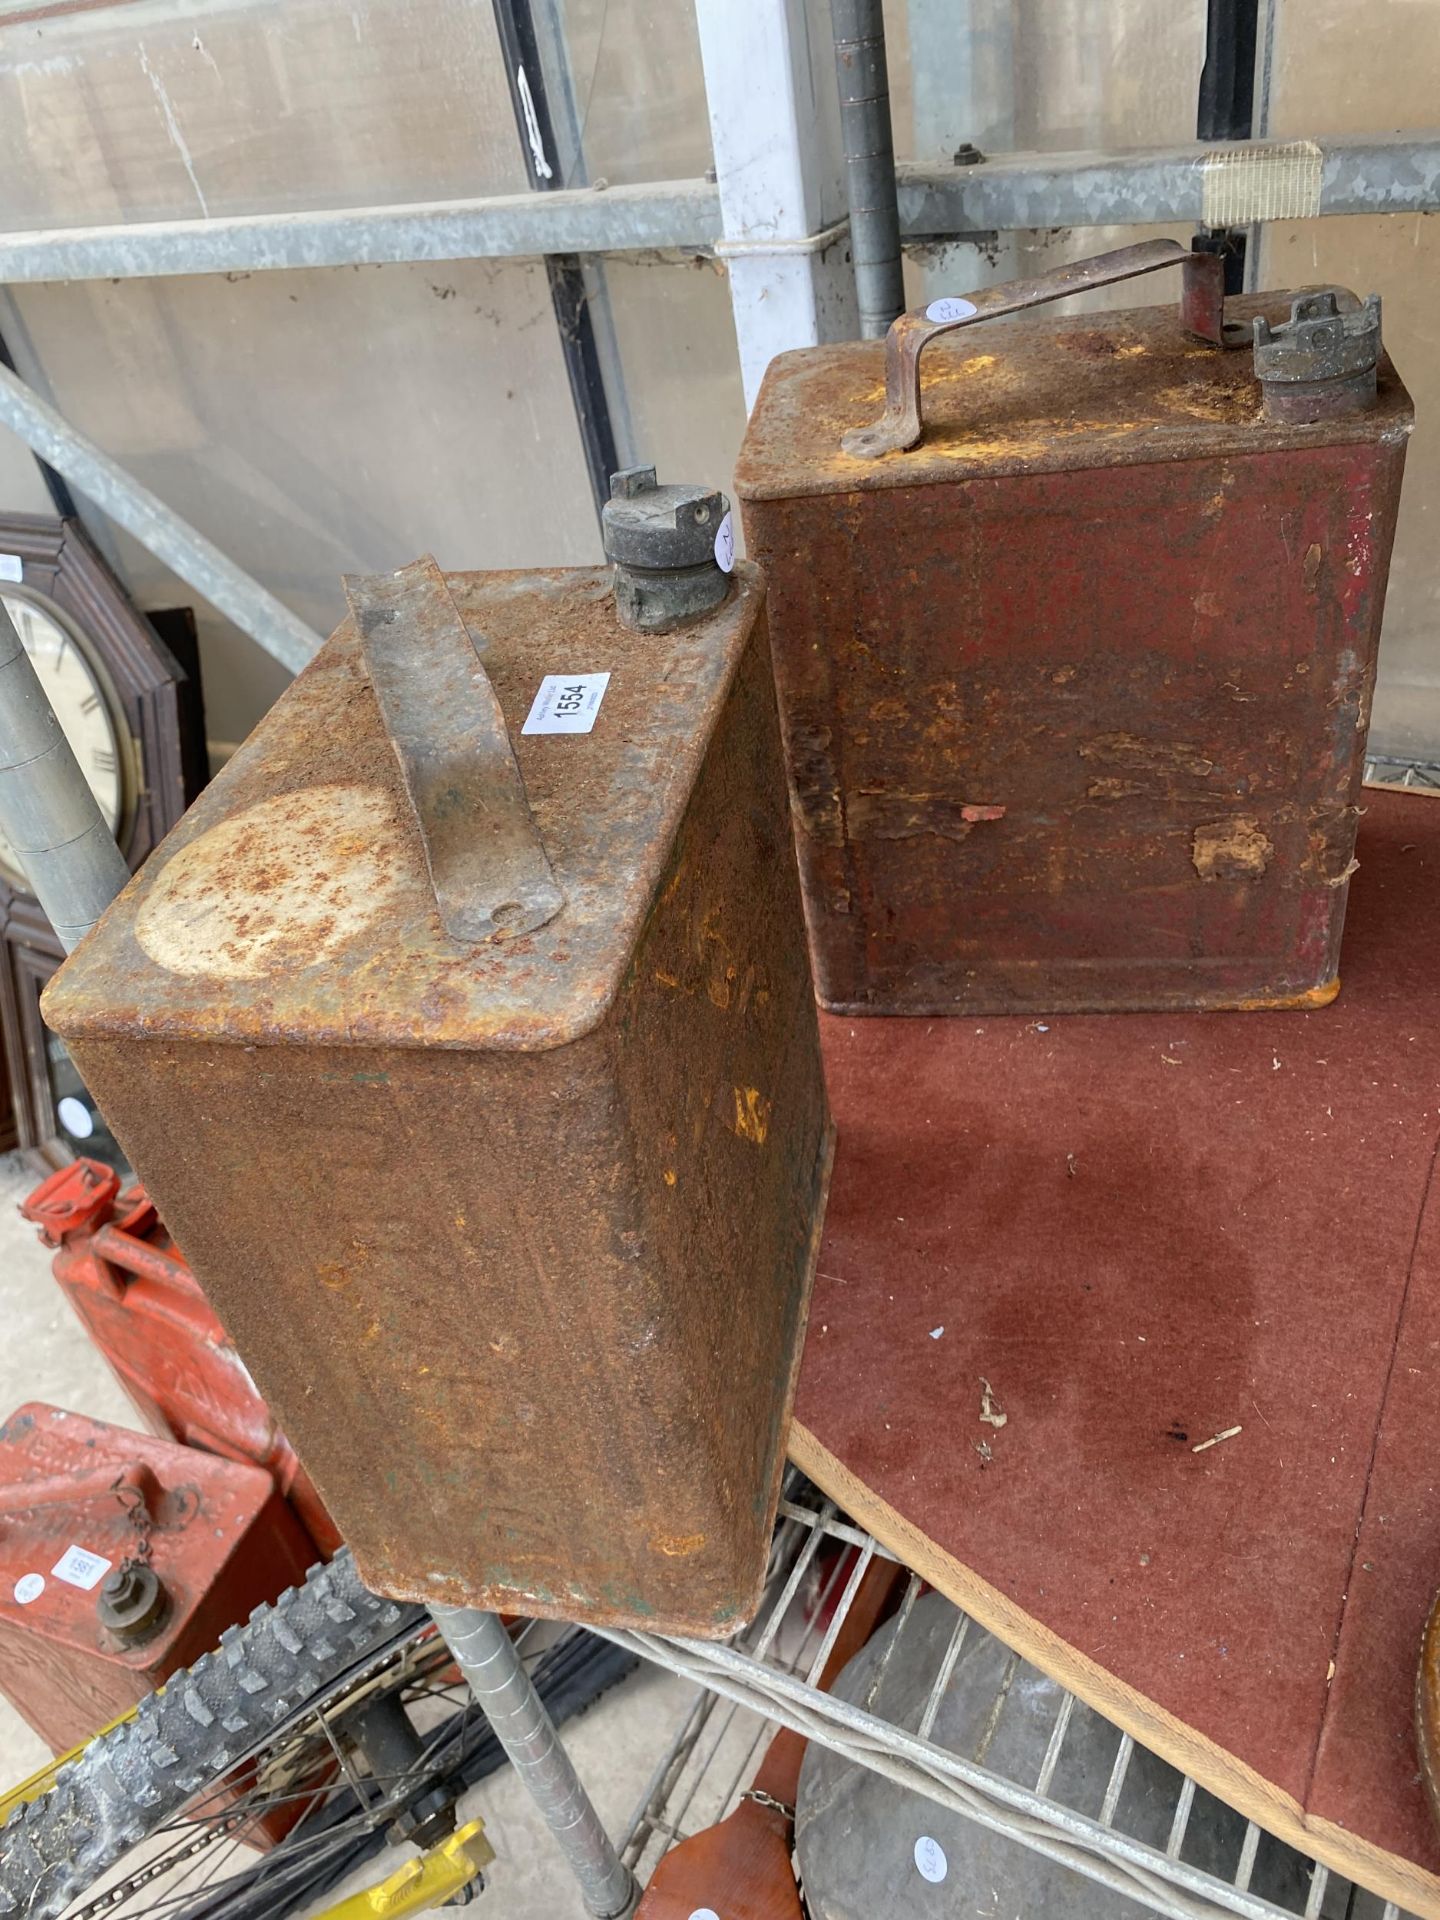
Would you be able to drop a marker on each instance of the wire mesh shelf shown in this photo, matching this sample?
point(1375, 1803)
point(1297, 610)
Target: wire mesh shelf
point(769, 1675)
point(1390, 770)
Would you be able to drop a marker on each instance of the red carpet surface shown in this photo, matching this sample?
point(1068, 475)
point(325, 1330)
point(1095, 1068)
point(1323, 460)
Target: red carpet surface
point(1139, 1233)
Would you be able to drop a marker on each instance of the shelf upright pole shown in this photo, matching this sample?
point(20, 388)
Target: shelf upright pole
point(486, 1656)
point(47, 811)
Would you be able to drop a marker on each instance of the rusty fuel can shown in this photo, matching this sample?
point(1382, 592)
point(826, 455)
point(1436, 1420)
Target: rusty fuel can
point(141, 1305)
point(122, 1559)
point(463, 1033)
point(1075, 667)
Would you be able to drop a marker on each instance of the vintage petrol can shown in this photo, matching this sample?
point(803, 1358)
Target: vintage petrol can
point(122, 1559)
point(138, 1300)
point(464, 1035)
point(1075, 643)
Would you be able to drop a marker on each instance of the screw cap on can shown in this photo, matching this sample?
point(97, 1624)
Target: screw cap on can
point(661, 541)
point(132, 1604)
point(646, 525)
point(1320, 362)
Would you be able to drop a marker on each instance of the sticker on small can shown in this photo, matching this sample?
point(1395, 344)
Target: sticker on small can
point(75, 1117)
point(725, 544)
point(12, 567)
point(78, 1567)
point(567, 703)
point(29, 1587)
point(930, 1861)
point(951, 309)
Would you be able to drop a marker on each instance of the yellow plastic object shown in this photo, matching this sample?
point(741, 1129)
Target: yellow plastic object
point(41, 1782)
point(424, 1882)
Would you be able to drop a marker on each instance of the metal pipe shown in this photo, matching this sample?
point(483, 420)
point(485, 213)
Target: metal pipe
point(61, 497)
point(681, 215)
point(228, 588)
point(569, 293)
point(775, 135)
point(1160, 186)
point(1366, 174)
point(859, 29)
point(47, 811)
point(1258, 180)
point(1226, 111)
point(487, 1658)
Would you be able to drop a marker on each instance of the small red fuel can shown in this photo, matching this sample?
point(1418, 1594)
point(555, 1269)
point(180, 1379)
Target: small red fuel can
point(122, 1559)
point(144, 1309)
point(1075, 641)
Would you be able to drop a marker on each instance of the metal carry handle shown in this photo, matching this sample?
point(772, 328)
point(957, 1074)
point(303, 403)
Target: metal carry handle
point(488, 866)
point(1202, 312)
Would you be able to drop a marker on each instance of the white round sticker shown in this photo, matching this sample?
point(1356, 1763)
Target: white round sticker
point(704, 1913)
point(930, 1860)
point(29, 1587)
point(950, 309)
point(75, 1117)
point(725, 560)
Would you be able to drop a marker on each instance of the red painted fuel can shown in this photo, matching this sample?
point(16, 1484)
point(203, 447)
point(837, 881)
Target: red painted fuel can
point(1075, 641)
point(122, 1559)
point(144, 1309)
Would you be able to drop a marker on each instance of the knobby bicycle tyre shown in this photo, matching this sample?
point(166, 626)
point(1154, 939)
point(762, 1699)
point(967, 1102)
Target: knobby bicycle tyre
point(141, 1774)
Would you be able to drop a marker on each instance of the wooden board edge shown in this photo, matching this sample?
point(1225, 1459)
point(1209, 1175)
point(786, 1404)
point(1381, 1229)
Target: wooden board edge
point(1398, 786)
point(1219, 1772)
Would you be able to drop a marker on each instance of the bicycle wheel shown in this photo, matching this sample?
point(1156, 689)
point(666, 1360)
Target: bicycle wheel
point(262, 1695)
point(330, 1723)
point(341, 1834)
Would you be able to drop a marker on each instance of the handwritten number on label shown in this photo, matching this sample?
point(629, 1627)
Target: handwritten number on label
point(930, 1861)
point(950, 309)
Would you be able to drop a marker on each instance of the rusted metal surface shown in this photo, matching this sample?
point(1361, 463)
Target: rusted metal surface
point(538, 1219)
point(83, 1502)
point(1202, 312)
point(487, 864)
point(143, 1307)
point(1105, 605)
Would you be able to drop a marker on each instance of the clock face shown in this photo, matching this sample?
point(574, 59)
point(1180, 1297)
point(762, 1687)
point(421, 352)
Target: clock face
point(83, 705)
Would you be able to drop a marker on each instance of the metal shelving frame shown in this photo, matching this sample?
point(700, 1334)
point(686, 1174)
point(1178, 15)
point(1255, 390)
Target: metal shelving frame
point(1415, 776)
point(768, 1675)
point(773, 210)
